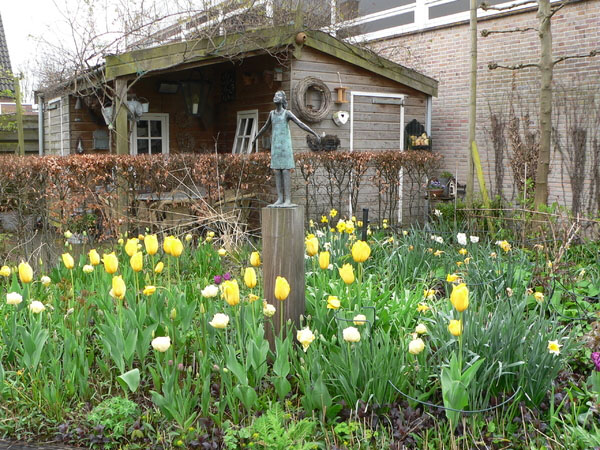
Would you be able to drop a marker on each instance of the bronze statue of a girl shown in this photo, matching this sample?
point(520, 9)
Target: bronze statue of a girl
point(282, 154)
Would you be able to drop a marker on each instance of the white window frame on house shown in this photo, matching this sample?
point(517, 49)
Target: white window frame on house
point(240, 146)
point(164, 118)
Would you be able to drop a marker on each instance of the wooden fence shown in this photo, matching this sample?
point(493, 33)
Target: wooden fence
point(8, 134)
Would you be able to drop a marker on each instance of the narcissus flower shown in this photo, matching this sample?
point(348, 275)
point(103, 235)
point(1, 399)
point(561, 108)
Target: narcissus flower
point(474, 239)
point(161, 343)
point(360, 319)
point(539, 297)
point(463, 251)
point(149, 290)
point(460, 297)
point(219, 321)
point(268, 309)
point(324, 219)
point(137, 261)
point(504, 245)
point(188, 237)
point(230, 291)
point(333, 213)
point(45, 280)
point(111, 262)
point(252, 298)
point(455, 327)
point(250, 277)
point(461, 238)
point(421, 329)
point(305, 337)
point(118, 287)
point(341, 226)
point(416, 346)
point(159, 267)
point(151, 244)
point(131, 246)
point(452, 277)
point(438, 253)
point(422, 307)
point(255, 259)
point(68, 234)
point(210, 291)
point(25, 272)
point(312, 246)
point(13, 298)
point(5, 271)
point(94, 257)
point(36, 307)
point(324, 260)
point(347, 273)
point(333, 302)
point(88, 268)
point(361, 251)
point(554, 347)
point(429, 293)
point(282, 288)
point(351, 334)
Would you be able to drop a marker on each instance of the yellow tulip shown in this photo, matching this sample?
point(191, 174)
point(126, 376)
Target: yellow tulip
point(455, 327)
point(118, 287)
point(305, 337)
point(282, 288)
point(159, 267)
point(5, 271)
point(151, 244)
point(131, 246)
point(68, 261)
point(333, 302)
point(250, 277)
point(149, 290)
point(312, 246)
point(111, 262)
point(94, 257)
point(324, 260)
point(176, 247)
point(168, 244)
point(361, 251)
point(25, 272)
point(230, 291)
point(347, 273)
point(460, 297)
point(255, 259)
point(137, 261)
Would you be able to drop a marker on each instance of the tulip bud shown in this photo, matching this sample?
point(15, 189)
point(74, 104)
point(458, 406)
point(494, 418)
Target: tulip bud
point(255, 259)
point(250, 277)
point(460, 297)
point(25, 272)
point(361, 251)
point(94, 257)
point(282, 288)
point(324, 260)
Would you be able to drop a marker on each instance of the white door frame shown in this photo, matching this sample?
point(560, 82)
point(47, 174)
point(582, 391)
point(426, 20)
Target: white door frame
point(401, 175)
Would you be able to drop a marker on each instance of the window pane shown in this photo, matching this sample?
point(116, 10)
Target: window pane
point(142, 146)
point(156, 146)
point(249, 124)
point(351, 9)
point(378, 25)
point(241, 126)
point(142, 128)
point(455, 7)
point(155, 128)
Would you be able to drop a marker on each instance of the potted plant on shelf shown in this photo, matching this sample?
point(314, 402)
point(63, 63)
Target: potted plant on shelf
point(435, 189)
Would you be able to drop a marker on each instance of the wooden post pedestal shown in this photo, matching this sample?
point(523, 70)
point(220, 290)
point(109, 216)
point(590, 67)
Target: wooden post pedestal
point(283, 255)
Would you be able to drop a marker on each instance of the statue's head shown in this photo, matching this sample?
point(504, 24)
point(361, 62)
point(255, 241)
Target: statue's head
point(280, 97)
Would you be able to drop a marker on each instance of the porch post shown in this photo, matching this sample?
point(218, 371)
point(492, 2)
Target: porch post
point(121, 116)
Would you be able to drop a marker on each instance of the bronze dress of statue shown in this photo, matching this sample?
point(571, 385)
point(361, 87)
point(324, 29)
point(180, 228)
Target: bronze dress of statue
point(282, 154)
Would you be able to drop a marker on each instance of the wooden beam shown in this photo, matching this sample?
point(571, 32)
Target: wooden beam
point(121, 117)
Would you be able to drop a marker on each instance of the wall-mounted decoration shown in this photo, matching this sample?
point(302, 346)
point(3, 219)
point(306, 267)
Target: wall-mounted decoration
point(341, 94)
point(341, 117)
point(309, 112)
point(228, 86)
point(195, 94)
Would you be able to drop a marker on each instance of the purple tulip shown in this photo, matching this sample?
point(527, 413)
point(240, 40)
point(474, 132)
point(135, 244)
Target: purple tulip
point(596, 360)
point(218, 279)
point(227, 276)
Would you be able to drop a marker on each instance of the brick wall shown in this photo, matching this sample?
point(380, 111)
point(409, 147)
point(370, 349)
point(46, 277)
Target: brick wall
point(443, 53)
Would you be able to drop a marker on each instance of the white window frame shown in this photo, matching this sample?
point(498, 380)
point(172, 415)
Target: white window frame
point(244, 115)
point(164, 118)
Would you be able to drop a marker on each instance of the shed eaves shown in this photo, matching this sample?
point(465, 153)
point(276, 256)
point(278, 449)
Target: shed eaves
point(5, 83)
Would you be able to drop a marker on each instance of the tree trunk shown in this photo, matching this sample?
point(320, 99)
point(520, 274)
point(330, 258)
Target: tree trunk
point(472, 103)
point(546, 67)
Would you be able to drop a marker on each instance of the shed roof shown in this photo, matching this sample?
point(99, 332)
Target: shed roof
point(5, 82)
point(204, 51)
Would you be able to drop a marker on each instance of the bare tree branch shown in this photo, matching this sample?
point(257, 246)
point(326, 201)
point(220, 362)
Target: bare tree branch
point(486, 6)
point(493, 66)
point(558, 8)
point(587, 55)
point(486, 33)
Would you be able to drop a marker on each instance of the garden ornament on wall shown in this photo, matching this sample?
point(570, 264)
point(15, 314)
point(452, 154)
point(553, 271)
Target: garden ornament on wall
point(282, 154)
point(340, 118)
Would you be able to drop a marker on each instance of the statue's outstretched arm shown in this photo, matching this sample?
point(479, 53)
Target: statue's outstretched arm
point(301, 124)
point(263, 129)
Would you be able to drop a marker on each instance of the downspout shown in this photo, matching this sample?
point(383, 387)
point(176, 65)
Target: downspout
point(428, 106)
point(41, 124)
